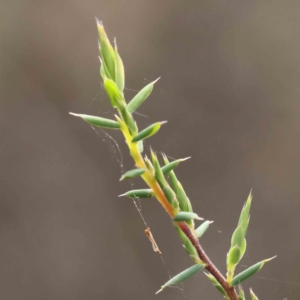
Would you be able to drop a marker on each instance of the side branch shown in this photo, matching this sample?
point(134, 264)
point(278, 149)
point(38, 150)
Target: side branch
point(209, 265)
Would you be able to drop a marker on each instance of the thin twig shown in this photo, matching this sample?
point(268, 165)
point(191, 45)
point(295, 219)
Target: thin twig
point(209, 265)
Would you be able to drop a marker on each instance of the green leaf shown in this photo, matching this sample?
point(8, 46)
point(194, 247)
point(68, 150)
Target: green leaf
point(253, 296)
point(246, 209)
point(237, 237)
point(249, 272)
point(241, 293)
point(115, 97)
point(172, 176)
point(243, 248)
point(120, 75)
point(190, 249)
point(244, 217)
point(233, 257)
point(184, 216)
point(106, 51)
point(158, 172)
point(170, 166)
point(214, 281)
point(102, 69)
point(184, 202)
point(141, 146)
point(174, 185)
point(170, 195)
point(143, 193)
point(147, 132)
point(133, 173)
point(202, 228)
point(128, 119)
point(159, 176)
point(149, 166)
point(187, 244)
point(140, 97)
point(98, 121)
point(183, 276)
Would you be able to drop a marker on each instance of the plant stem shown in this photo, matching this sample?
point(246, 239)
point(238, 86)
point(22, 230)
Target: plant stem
point(209, 265)
point(153, 184)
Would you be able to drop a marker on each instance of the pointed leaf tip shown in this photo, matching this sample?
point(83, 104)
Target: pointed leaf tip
point(159, 290)
point(184, 275)
point(186, 158)
point(142, 193)
point(147, 132)
point(249, 272)
point(169, 166)
point(253, 296)
point(98, 21)
point(98, 121)
point(202, 228)
point(269, 259)
point(185, 216)
point(217, 285)
point(132, 173)
point(140, 97)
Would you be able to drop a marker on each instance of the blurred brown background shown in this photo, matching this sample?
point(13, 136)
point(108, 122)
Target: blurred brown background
point(230, 91)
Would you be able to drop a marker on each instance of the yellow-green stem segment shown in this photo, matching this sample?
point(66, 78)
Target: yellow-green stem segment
point(148, 178)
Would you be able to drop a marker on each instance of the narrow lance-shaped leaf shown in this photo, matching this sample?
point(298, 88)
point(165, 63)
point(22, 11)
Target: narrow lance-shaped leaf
point(140, 97)
point(202, 228)
point(243, 247)
point(158, 172)
point(170, 166)
point(238, 240)
point(106, 51)
point(233, 257)
point(236, 251)
point(184, 202)
point(246, 209)
point(174, 184)
point(119, 69)
point(183, 198)
point(149, 166)
point(168, 192)
point(214, 281)
point(102, 69)
point(98, 121)
point(141, 146)
point(241, 293)
point(184, 216)
point(237, 237)
point(249, 272)
point(172, 177)
point(187, 245)
point(132, 173)
point(128, 119)
point(147, 132)
point(115, 97)
point(143, 193)
point(253, 296)
point(171, 197)
point(183, 276)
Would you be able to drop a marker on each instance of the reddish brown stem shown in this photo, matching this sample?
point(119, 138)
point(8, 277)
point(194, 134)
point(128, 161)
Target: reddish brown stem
point(210, 267)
